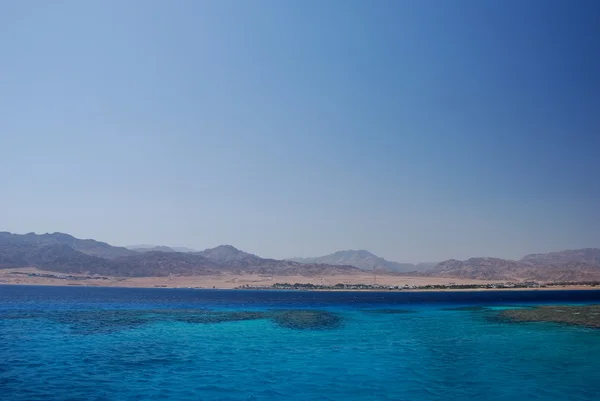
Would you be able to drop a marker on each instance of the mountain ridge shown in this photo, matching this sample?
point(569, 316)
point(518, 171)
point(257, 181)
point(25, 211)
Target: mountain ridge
point(567, 265)
point(87, 246)
point(163, 248)
point(157, 248)
point(67, 254)
point(365, 261)
point(64, 253)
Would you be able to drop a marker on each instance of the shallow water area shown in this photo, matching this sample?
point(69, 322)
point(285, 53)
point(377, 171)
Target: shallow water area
point(157, 344)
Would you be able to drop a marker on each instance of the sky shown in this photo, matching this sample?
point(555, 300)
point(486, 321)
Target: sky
point(419, 130)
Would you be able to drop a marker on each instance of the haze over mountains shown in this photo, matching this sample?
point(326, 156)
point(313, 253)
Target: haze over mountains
point(568, 265)
point(365, 260)
point(64, 253)
point(162, 248)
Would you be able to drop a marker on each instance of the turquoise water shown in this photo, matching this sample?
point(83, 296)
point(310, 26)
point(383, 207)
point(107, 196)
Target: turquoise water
point(121, 344)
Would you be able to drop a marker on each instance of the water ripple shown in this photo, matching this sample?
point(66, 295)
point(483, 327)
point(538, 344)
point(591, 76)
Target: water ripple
point(156, 353)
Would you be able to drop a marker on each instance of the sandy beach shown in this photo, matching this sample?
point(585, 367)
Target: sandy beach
point(225, 281)
point(31, 276)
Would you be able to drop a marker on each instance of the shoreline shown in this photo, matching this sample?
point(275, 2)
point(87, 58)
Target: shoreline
point(383, 290)
point(257, 282)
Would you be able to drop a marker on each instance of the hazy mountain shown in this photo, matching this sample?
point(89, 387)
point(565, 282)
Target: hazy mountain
point(182, 249)
point(140, 246)
point(156, 263)
point(55, 257)
point(64, 253)
point(586, 255)
point(364, 260)
point(86, 246)
point(478, 268)
point(569, 265)
point(226, 254)
point(158, 248)
point(425, 266)
point(238, 261)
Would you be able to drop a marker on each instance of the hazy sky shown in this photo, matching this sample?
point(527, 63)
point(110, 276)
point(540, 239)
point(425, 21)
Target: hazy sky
point(419, 130)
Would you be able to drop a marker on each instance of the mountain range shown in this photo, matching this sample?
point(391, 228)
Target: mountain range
point(568, 265)
point(64, 253)
point(160, 248)
point(365, 260)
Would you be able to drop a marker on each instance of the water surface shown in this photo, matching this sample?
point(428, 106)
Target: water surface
point(73, 343)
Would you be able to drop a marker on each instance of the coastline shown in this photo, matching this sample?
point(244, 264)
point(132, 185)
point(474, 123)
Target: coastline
point(32, 276)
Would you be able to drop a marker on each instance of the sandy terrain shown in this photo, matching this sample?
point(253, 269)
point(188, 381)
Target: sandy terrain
point(12, 276)
point(8, 276)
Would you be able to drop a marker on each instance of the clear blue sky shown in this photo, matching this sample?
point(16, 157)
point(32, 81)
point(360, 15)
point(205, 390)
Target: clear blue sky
point(419, 130)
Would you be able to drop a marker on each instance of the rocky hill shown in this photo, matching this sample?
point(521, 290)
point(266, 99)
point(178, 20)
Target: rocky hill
point(156, 264)
point(226, 254)
point(240, 261)
point(364, 260)
point(590, 256)
point(478, 269)
point(86, 246)
point(55, 257)
point(569, 265)
point(64, 253)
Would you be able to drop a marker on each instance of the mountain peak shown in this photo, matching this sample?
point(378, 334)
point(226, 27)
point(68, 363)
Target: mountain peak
point(360, 258)
point(225, 253)
point(224, 248)
point(86, 246)
point(357, 252)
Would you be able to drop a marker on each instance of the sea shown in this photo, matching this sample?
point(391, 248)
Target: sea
point(91, 343)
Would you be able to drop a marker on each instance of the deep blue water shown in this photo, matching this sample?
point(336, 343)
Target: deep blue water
point(74, 343)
